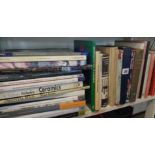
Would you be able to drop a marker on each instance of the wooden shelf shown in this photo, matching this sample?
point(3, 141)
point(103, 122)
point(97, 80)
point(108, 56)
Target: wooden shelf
point(89, 113)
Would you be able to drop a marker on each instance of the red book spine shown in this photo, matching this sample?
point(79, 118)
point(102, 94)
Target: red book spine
point(152, 86)
point(149, 75)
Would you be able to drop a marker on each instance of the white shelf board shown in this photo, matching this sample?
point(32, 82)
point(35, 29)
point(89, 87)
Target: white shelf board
point(89, 113)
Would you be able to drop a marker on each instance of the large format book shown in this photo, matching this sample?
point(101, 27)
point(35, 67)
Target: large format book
point(42, 58)
point(55, 113)
point(43, 96)
point(60, 105)
point(148, 82)
point(46, 79)
point(118, 76)
point(138, 58)
point(40, 89)
point(127, 57)
point(104, 76)
point(89, 48)
point(152, 86)
point(40, 64)
point(142, 45)
point(113, 55)
point(98, 80)
point(9, 78)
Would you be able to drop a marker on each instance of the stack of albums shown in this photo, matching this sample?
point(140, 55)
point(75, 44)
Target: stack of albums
point(42, 83)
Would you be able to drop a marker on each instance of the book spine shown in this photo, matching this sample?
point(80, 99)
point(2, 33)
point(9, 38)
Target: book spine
point(135, 75)
point(35, 85)
point(37, 97)
point(2, 84)
point(104, 83)
point(152, 86)
point(41, 58)
point(152, 59)
point(49, 114)
point(59, 106)
point(31, 65)
point(118, 77)
point(146, 75)
point(89, 48)
point(12, 108)
point(125, 74)
point(40, 89)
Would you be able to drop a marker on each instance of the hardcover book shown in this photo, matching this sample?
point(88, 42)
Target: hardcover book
point(88, 48)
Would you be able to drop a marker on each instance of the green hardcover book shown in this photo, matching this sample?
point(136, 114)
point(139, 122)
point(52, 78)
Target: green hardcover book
point(88, 48)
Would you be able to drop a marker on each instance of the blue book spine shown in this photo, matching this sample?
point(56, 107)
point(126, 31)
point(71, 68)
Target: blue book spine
point(127, 56)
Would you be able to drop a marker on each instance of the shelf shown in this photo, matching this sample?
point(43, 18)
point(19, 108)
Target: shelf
point(89, 113)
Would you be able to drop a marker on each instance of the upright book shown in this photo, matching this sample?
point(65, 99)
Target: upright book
point(142, 45)
point(152, 86)
point(89, 48)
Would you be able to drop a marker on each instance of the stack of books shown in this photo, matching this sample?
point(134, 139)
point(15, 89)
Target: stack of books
point(42, 83)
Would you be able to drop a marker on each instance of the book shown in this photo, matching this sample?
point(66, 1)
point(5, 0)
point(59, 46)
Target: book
point(142, 45)
point(11, 77)
point(104, 83)
point(113, 55)
point(42, 96)
point(118, 76)
point(98, 80)
point(60, 106)
point(40, 89)
point(127, 56)
point(42, 58)
point(138, 58)
point(40, 64)
point(150, 71)
point(152, 85)
point(50, 114)
point(45, 79)
point(88, 48)
point(146, 74)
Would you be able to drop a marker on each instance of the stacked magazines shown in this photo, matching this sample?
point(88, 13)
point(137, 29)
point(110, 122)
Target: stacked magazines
point(42, 84)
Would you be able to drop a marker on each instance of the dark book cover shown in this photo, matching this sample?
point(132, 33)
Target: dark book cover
point(127, 56)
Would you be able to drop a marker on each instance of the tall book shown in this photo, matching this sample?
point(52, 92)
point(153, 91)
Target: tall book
point(119, 75)
point(152, 86)
point(148, 82)
point(105, 79)
point(142, 45)
point(98, 79)
point(146, 74)
point(89, 48)
point(138, 58)
point(127, 57)
point(113, 54)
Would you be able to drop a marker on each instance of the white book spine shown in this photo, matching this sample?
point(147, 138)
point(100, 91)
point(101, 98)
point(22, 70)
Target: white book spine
point(36, 97)
point(41, 58)
point(40, 89)
point(34, 85)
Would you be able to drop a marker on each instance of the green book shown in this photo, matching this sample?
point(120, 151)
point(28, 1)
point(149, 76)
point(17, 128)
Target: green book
point(88, 48)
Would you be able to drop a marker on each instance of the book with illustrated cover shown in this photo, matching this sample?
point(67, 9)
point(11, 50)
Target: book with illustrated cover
point(88, 48)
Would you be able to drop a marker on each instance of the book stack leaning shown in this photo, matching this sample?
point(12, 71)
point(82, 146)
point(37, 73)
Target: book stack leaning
point(38, 84)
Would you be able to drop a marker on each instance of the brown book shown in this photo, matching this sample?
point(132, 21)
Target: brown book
point(138, 58)
point(113, 54)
